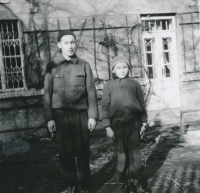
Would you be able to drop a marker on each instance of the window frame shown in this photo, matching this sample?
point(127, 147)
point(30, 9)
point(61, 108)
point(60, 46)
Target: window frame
point(152, 55)
point(2, 71)
point(156, 18)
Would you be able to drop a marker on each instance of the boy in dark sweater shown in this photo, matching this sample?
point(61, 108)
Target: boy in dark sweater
point(124, 117)
point(70, 105)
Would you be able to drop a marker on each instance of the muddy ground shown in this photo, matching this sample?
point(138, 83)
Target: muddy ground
point(169, 167)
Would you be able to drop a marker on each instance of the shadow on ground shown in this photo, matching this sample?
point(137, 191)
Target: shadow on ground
point(169, 168)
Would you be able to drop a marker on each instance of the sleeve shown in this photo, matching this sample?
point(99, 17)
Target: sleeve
point(91, 92)
point(140, 96)
point(105, 104)
point(48, 87)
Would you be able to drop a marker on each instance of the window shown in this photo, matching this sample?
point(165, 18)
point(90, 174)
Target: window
point(11, 56)
point(156, 25)
point(166, 57)
point(149, 57)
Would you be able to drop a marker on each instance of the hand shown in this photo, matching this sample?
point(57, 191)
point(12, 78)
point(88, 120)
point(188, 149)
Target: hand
point(110, 133)
point(91, 124)
point(143, 128)
point(51, 127)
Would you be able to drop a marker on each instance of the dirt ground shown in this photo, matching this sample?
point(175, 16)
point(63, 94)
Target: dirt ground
point(169, 167)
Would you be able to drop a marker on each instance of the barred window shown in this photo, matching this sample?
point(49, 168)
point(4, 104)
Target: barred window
point(156, 25)
point(11, 56)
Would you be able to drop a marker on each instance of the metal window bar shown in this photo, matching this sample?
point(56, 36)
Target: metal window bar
point(161, 27)
point(184, 54)
point(48, 40)
point(12, 72)
point(129, 52)
point(19, 25)
point(2, 74)
point(139, 41)
point(192, 23)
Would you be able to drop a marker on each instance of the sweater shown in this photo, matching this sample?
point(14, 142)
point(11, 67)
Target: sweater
point(122, 100)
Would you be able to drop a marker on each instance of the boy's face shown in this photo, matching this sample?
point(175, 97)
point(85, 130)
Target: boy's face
point(68, 45)
point(121, 69)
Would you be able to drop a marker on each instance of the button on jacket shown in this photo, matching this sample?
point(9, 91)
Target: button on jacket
point(122, 100)
point(69, 85)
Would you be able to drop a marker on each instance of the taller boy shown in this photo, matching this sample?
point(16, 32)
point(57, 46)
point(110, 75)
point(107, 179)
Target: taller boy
point(69, 99)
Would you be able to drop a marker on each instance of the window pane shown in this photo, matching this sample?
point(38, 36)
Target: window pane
point(156, 24)
point(152, 25)
point(166, 58)
point(149, 59)
point(167, 70)
point(166, 43)
point(13, 73)
point(9, 29)
point(10, 48)
point(17, 49)
point(150, 72)
point(165, 46)
point(20, 82)
point(145, 25)
point(164, 25)
point(170, 24)
point(148, 45)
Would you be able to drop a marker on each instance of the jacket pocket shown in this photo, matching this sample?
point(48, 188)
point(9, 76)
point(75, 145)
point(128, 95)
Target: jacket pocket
point(58, 80)
point(79, 79)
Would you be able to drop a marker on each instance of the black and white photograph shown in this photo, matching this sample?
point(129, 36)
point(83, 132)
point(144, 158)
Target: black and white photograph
point(99, 96)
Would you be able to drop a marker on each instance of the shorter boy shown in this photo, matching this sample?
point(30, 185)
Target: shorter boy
point(124, 117)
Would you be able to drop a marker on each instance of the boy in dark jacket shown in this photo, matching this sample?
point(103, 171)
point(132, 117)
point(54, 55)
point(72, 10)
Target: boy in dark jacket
point(69, 99)
point(124, 117)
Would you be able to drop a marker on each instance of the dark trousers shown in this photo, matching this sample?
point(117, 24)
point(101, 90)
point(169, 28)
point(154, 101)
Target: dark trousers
point(73, 145)
point(127, 149)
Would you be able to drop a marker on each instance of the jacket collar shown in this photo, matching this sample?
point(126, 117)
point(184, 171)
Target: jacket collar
point(74, 59)
point(61, 59)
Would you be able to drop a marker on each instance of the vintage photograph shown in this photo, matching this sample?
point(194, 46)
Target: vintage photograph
point(99, 96)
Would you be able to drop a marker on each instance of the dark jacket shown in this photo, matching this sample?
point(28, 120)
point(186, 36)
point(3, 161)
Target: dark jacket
point(69, 85)
point(123, 99)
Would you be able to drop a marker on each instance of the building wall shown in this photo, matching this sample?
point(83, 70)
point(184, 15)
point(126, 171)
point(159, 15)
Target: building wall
point(188, 36)
point(76, 8)
point(15, 110)
point(19, 116)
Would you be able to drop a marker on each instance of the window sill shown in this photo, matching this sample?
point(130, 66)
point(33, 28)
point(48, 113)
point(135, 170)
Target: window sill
point(22, 93)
